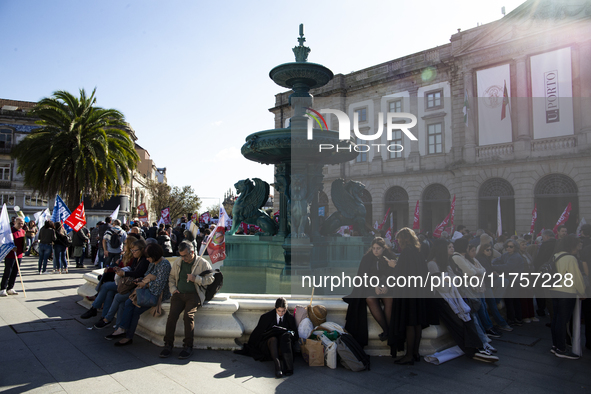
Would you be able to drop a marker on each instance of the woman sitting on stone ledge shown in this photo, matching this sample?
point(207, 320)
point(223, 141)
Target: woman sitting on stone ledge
point(378, 261)
point(137, 269)
point(156, 280)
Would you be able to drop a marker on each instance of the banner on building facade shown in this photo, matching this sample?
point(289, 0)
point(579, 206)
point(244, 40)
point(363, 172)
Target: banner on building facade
point(551, 85)
point(492, 128)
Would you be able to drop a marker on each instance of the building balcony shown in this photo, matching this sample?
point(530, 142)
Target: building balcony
point(5, 184)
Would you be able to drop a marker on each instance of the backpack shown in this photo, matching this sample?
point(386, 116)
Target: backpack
point(215, 286)
point(115, 241)
point(351, 353)
point(550, 266)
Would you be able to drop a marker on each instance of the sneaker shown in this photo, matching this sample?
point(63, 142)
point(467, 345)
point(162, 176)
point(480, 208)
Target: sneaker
point(553, 350)
point(46, 273)
point(186, 353)
point(535, 319)
point(488, 347)
point(527, 320)
point(101, 324)
point(3, 293)
point(506, 328)
point(492, 333)
point(12, 292)
point(166, 352)
point(485, 356)
point(92, 312)
point(517, 323)
point(565, 354)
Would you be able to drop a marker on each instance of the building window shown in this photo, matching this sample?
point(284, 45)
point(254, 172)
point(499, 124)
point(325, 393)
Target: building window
point(5, 138)
point(434, 99)
point(362, 155)
point(7, 199)
point(362, 114)
point(434, 132)
point(4, 172)
point(397, 142)
point(32, 200)
point(395, 106)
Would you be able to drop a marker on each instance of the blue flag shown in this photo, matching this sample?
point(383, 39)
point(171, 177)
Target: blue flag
point(6, 239)
point(60, 212)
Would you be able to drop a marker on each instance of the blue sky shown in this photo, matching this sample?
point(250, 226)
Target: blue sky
point(191, 77)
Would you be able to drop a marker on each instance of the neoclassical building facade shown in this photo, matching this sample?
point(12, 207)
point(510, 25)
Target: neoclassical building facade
point(503, 111)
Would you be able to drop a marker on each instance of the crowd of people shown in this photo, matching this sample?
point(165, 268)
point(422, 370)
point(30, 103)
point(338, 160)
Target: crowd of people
point(136, 257)
point(474, 315)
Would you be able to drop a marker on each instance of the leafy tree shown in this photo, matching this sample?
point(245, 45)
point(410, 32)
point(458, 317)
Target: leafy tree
point(214, 211)
point(79, 148)
point(180, 200)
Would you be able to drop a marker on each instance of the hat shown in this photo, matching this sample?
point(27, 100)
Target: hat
point(317, 314)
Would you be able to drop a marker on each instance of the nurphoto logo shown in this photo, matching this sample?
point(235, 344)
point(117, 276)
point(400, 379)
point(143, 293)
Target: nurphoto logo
point(345, 127)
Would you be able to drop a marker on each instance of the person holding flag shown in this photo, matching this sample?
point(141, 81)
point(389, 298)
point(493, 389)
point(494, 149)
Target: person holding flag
point(14, 258)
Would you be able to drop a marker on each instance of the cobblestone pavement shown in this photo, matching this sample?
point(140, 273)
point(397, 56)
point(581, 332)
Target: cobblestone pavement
point(46, 348)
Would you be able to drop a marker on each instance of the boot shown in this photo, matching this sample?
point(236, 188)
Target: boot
point(92, 312)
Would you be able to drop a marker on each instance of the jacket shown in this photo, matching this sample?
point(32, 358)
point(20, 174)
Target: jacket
point(47, 236)
point(569, 265)
point(199, 265)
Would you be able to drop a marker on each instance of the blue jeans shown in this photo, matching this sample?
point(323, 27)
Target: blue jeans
point(44, 253)
point(131, 317)
point(105, 295)
point(29, 244)
point(59, 257)
point(101, 257)
point(563, 310)
point(117, 307)
point(483, 315)
point(492, 308)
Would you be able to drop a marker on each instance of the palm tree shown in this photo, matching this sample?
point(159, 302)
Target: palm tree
point(79, 148)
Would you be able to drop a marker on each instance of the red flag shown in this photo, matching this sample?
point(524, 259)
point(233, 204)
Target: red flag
point(505, 102)
point(415, 224)
point(442, 225)
point(77, 219)
point(534, 217)
point(384, 221)
point(217, 246)
point(389, 234)
point(452, 212)
point(205, 218)
point(563, 217)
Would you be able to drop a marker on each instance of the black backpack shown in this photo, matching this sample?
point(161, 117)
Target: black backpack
point(550, 266)
point(351, 353)
point(215, 286)
point(115, 241)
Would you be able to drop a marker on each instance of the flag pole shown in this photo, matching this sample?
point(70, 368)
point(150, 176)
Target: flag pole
point(21, 277)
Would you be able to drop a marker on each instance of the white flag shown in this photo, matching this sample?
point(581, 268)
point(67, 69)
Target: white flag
point(581, 223)
point(227, 221)
point(499, 224)
point(6, 239)
point(115, 213)
point(41, 217)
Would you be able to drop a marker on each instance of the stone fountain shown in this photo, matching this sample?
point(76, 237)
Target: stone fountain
point(268, 263)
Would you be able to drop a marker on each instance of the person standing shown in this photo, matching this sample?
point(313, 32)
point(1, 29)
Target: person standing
point(113, 241)
point(46, 239)
point(14, 257)
point(30, 234)
point(60, 264)
point(101, 233)
point(187, 287)
point(79, 239)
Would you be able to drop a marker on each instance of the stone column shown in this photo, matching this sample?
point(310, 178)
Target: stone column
point(584, 99)
point(521, 104)
point(470, 127)
point(413, 161)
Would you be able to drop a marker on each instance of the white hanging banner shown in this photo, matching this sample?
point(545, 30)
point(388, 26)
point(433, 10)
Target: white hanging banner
point(552, 92)
point(492, 127)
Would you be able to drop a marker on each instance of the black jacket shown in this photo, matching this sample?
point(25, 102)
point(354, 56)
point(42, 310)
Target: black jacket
point(266, 322)
point(545, 253)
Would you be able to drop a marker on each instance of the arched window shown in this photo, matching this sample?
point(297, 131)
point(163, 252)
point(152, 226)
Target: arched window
point(436, 205)
point(552, 194)
point(397, 201)
point(488, 197)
